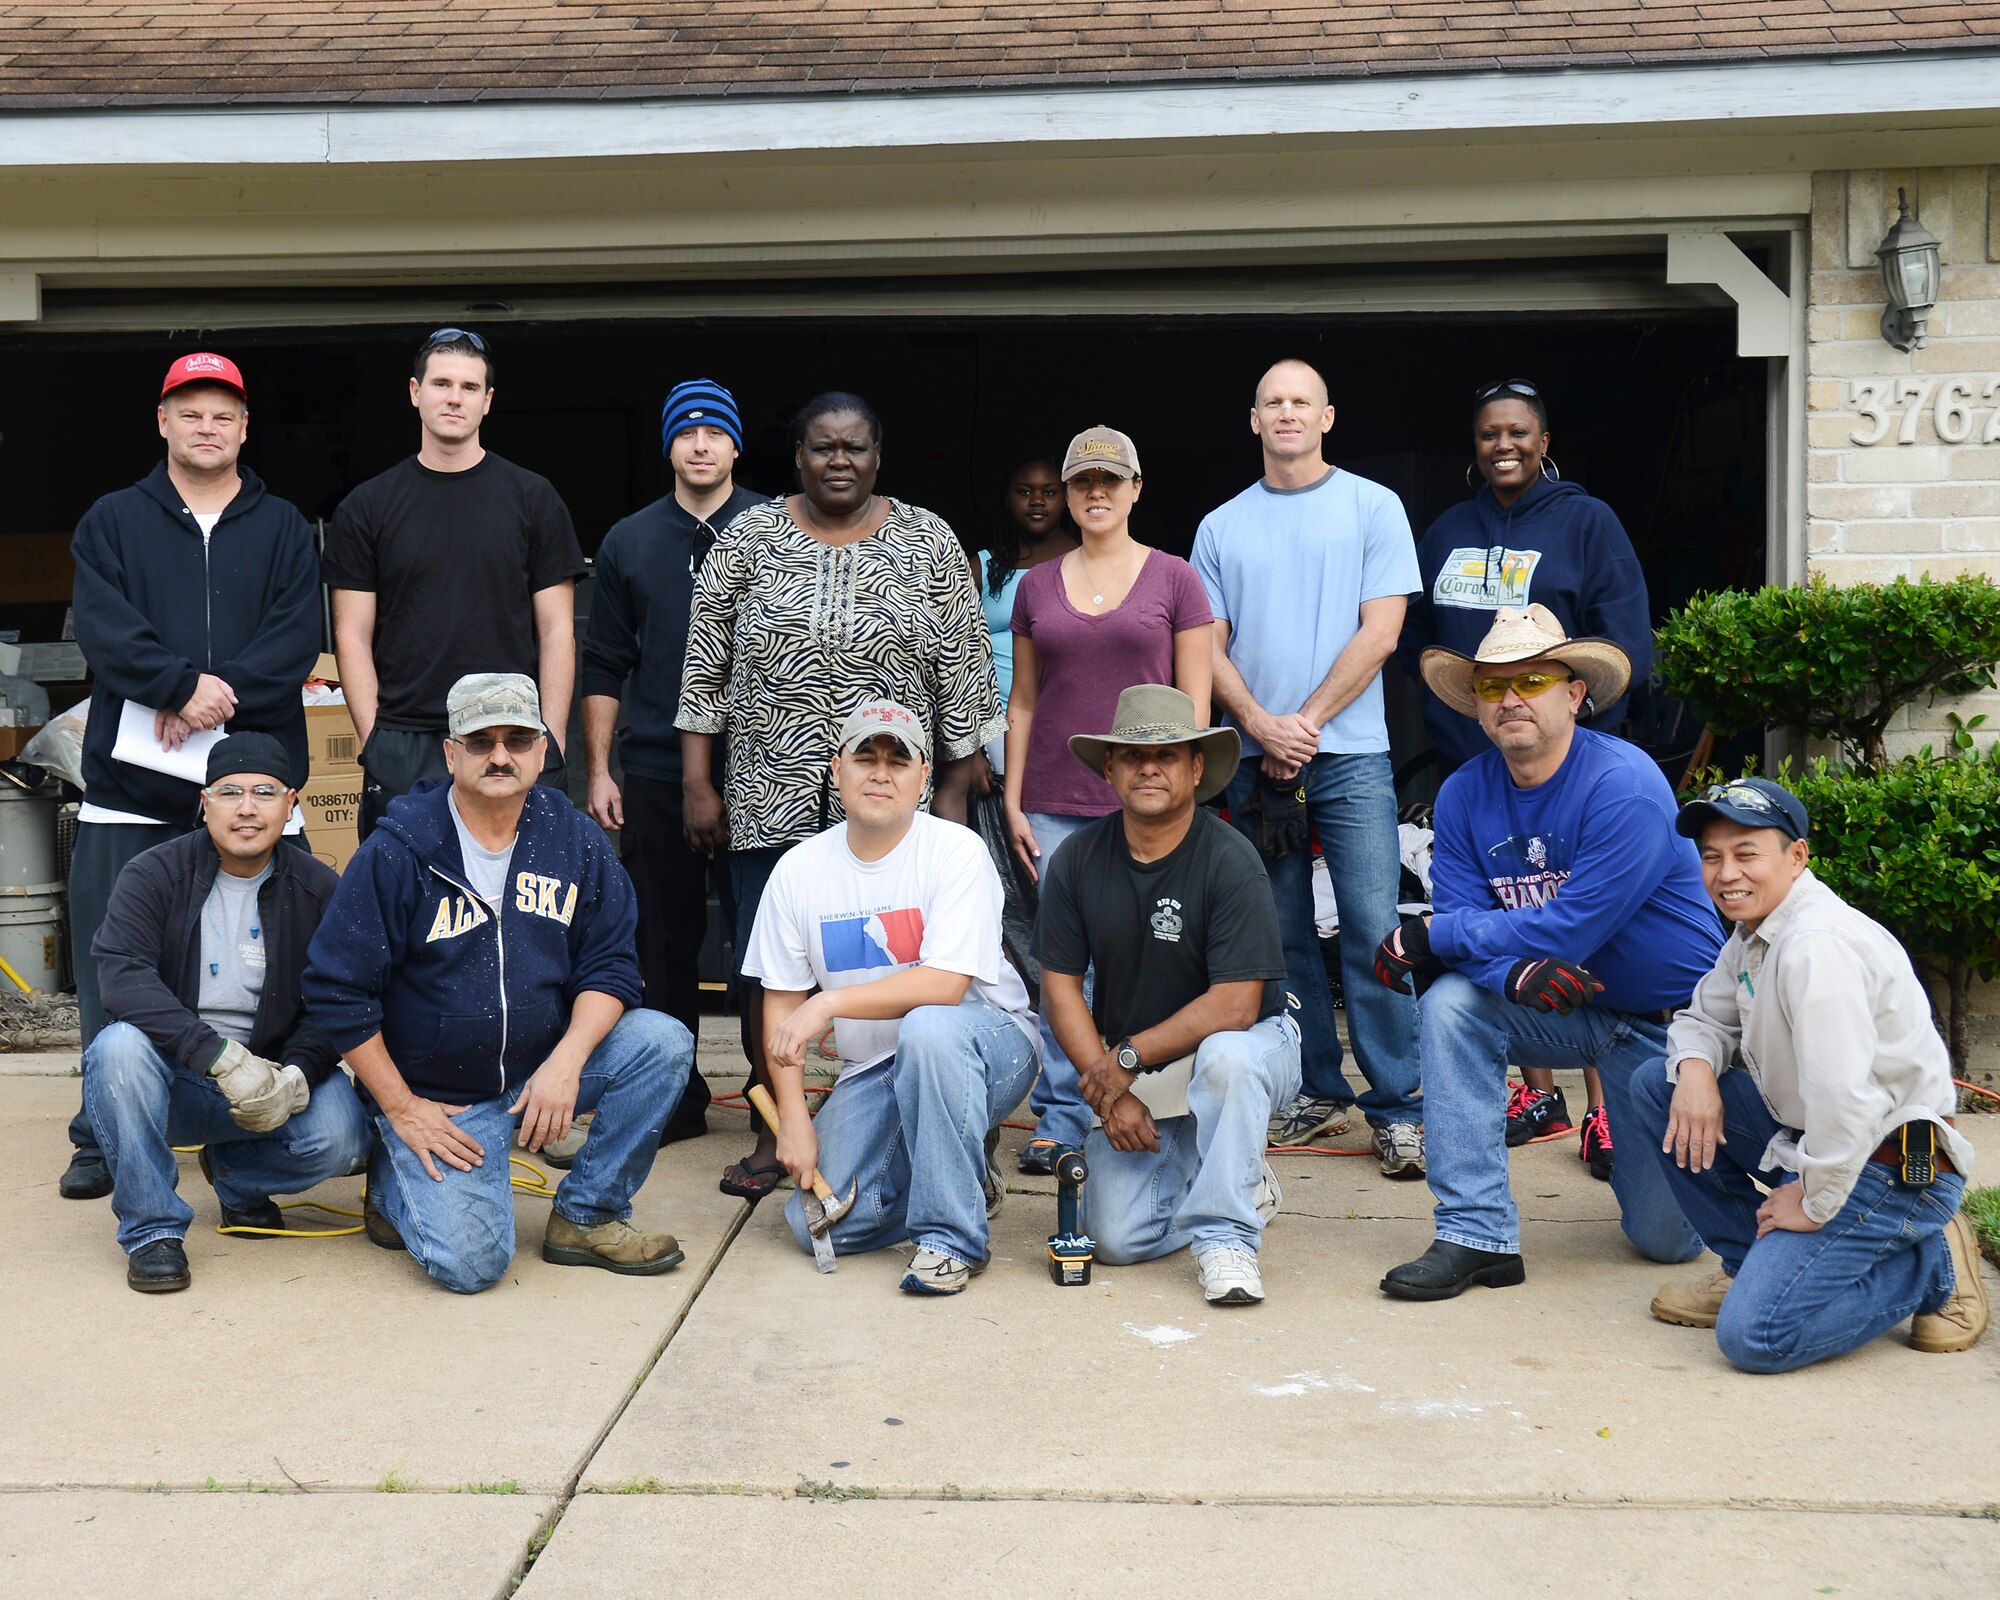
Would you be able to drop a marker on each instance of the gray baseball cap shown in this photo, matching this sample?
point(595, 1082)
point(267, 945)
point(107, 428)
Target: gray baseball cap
point(493, 700)
point(873, 717)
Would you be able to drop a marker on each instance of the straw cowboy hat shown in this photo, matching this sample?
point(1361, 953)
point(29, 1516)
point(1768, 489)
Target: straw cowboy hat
point(1153, 713)
point(1531, 635)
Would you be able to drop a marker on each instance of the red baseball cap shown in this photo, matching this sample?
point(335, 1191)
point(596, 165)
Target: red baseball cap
point(203, 367)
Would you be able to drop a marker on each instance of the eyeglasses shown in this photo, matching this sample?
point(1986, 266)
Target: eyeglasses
point(481, 744)
point(1506, 386)
point(1525, 684)
point(230, 793)
point(445, 336)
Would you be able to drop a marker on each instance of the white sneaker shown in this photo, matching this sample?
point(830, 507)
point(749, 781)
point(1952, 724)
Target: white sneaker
point(1267, 1196)
point(1229, 1276)
point(931, 1272)
point(1400, 1149)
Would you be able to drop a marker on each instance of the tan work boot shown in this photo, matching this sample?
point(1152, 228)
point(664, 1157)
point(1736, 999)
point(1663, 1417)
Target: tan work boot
point(614, 1246)
point(1958, 1323)
point(1693, 1305)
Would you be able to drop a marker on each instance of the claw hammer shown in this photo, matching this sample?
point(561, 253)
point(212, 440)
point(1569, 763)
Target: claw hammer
point(823, 1208)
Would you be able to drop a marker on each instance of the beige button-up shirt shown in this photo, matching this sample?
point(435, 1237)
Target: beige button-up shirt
point(1821, 1006)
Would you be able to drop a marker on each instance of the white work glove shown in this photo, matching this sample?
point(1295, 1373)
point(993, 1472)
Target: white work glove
point(287, 1096)
point(259, 1095)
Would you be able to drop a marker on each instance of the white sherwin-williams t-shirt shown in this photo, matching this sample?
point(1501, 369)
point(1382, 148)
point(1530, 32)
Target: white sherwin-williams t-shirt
point(829, 920)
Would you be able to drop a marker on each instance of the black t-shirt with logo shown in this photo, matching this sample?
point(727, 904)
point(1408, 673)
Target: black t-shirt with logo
point(1161, 932)
point(454, 560)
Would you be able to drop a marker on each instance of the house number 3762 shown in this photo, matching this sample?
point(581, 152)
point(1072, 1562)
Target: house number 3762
point(1897, 406)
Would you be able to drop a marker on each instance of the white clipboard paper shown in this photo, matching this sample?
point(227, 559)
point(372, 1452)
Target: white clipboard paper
point(137, 746)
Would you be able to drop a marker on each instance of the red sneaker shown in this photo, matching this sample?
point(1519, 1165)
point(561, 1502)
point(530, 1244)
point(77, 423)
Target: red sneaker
point(1595, 1149)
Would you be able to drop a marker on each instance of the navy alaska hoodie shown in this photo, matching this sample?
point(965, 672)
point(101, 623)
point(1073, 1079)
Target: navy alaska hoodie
point(469, 1004)
point(1555, 546)
point(156, 606)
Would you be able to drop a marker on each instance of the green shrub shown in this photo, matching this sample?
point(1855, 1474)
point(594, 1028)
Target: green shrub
point(1916, 845)
point(1835, 662)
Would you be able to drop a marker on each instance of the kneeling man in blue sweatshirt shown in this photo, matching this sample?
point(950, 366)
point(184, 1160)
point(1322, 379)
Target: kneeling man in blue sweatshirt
point(1569, 922)
point(476, 969)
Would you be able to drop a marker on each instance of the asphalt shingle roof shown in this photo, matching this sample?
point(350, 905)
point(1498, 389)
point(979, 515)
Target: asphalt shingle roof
point(81, 53)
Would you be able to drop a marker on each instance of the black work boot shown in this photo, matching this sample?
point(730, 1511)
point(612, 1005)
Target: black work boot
point(158, 1268)
point(86, 1177)
point(263, 1214)
point(1448, 1269)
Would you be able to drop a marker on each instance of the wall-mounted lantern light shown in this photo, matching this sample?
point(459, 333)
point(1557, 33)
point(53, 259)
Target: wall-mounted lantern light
point(1909, 257)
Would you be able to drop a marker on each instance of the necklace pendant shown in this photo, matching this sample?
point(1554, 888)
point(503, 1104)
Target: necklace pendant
point(1097, 599)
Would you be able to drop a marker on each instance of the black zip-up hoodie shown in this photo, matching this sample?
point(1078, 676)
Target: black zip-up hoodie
point(148, 951)
point(156, 606)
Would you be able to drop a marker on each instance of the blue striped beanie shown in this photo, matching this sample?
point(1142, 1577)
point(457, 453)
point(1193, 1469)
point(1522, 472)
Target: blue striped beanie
point(699, 401)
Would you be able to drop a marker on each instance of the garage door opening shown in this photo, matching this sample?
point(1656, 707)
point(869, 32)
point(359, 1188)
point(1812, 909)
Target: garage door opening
point(1654, 414)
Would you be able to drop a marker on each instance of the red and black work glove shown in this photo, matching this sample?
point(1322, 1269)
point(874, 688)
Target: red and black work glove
point(1407, 953)
point(1549, 984)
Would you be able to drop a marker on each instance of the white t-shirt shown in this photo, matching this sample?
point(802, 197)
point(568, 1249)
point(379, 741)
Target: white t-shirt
point(485, 870)
point(829, 920)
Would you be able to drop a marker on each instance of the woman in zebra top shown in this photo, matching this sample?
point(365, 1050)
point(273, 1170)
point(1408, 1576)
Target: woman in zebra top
point(806, 607)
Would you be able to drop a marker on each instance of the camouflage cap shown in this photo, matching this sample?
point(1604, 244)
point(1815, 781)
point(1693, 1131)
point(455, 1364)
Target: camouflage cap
point(493, 700)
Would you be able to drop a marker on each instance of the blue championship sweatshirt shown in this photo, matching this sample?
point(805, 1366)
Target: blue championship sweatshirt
point(1587, 867)
point(1555, 546)
point(157, 605)
point(469, 1004)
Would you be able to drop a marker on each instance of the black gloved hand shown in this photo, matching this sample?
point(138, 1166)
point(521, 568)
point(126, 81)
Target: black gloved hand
point(1407, 953)
point(1550, 984)
point(1278, 807)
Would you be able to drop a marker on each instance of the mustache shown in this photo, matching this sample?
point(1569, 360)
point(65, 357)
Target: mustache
point(497, 772)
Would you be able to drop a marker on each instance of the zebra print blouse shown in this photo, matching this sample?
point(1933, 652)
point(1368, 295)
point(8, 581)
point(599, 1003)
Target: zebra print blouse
point(788, 635)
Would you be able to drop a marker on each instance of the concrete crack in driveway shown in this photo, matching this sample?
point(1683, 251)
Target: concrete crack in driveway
point(540, 1541)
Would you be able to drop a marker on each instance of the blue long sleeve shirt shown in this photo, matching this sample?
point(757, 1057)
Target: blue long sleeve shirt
point(1585, 867)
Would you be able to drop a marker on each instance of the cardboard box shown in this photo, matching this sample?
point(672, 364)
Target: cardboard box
point(331, 743)
point(331, 804)
point(14, 740)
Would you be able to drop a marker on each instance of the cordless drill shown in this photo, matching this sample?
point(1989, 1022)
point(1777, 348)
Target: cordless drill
point(1070, 1250)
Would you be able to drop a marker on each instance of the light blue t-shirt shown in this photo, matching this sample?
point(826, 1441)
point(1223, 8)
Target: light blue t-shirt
point(999, 609)
point(1288, 569)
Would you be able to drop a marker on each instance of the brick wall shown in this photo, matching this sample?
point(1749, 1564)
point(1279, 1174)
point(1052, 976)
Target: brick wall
point(1916, 501)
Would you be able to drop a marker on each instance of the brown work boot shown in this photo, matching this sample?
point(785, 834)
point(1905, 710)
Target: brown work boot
point(614, 1246)
point(1958, 1323)
point(1693, 1305)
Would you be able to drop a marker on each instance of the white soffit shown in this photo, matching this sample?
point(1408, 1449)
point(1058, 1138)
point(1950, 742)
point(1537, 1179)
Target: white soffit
point(1900, 88)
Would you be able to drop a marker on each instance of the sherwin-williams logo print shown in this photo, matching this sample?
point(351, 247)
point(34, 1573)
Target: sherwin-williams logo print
point(458, 915)
point(1166, 920)
point(1475, 578)
point(1520, 871)
point(887, 939)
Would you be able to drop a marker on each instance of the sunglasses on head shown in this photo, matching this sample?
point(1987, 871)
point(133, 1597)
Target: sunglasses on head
point(1737, 794)
point(1506, 386)
point(445, 336)
point(1525, 684)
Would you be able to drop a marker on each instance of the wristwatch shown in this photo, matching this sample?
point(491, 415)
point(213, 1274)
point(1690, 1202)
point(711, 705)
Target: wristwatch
point(1128, 1058)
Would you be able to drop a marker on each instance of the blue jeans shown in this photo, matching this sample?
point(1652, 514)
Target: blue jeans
point(1351, 800)
point(141, 1105)
point(460, 1225)
point(1471, 1035)
point(1199, 1187)
point(912, 1129)
point(1057, 1103)
point(1802, 1297)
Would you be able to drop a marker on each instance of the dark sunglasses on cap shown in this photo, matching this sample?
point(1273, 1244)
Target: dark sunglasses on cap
point(1741, 794)
point(445, 336)
point(1506, 386)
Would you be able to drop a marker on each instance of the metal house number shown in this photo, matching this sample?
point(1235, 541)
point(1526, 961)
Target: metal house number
point(1954, 404)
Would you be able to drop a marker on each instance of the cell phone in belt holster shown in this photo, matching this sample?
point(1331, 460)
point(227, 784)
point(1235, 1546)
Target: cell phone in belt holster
point(1919, 1167)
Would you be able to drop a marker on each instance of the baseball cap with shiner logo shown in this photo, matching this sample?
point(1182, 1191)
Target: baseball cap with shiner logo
point(204, 366)
point(1101, 449)
point(874, 717)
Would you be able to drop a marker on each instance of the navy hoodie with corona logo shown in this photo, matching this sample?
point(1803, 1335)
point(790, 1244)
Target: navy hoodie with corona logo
point(1555, 546)
point(468, 1003)
point(157, 605)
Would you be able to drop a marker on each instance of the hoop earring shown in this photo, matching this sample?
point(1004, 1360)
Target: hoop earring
point(1550, 469)
point(1468, 478)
